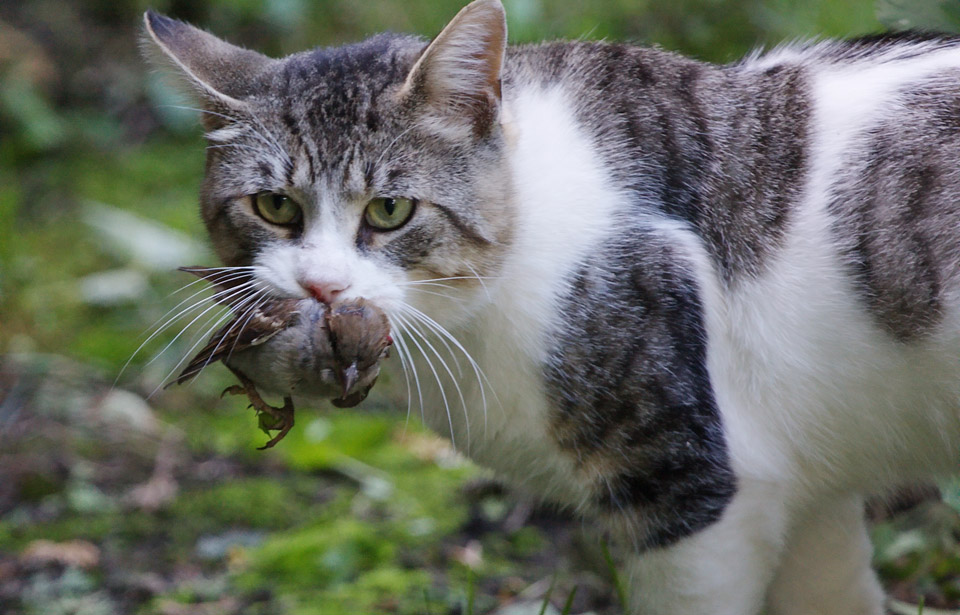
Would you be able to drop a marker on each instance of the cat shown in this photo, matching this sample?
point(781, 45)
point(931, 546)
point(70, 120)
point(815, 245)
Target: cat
point(709, 308)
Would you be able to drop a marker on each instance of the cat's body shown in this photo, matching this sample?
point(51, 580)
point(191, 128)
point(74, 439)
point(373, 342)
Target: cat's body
point(710, 307)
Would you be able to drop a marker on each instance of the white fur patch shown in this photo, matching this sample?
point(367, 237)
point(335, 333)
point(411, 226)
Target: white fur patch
point(810, 389)
point(566, 205)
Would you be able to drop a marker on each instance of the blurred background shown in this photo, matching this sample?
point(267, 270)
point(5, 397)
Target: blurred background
point(118, 496)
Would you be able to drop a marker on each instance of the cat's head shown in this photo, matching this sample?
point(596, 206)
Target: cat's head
point(366, 170)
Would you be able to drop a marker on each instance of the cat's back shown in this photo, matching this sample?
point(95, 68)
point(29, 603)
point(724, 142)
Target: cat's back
point(849, 328)
point(815, 189)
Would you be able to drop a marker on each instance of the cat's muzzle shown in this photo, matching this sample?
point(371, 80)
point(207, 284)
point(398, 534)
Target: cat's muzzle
point(320, 352)
point(294, 347)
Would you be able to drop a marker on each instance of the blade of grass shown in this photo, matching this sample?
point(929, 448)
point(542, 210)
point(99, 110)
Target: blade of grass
point(471, 590)
point(615, 577)
point(569, 603)
point(546, 598)
point(426, 602)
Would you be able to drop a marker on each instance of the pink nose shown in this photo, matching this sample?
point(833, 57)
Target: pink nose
point(326, 291)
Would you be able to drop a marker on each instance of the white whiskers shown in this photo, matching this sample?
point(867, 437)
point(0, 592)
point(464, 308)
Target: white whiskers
point(414, 329)
point(242, 296)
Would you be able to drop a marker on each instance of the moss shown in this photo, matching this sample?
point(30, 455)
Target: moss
point(262, 503)
point(385, 590)
point(94, 528)
point(319, 556)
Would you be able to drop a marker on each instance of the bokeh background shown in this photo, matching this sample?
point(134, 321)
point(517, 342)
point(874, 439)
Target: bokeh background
point(118, 496)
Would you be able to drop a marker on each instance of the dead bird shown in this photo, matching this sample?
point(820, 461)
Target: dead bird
point(335, 351)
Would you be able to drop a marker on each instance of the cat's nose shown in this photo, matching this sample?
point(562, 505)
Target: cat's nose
point(326, 291)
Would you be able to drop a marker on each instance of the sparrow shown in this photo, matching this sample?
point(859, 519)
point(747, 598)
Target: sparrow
point(249, 327)
point(360, 337)
point(355, 333)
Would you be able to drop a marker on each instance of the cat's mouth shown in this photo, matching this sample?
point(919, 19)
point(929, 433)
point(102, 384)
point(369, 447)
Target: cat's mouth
point(297, 347)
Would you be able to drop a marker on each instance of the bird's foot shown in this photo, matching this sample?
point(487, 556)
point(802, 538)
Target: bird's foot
point(269, 418)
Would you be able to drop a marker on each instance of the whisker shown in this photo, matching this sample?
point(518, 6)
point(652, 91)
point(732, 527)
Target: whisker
point(430, 292)
point(227, 268)
point(407, 310)
point(218, 321)
point(478, 372)
point(479, 279)
point(200, 334)
point(237, 291)
point(202, 338)
point(228, 275)
point(426, 357)
point(460, 277)
point(247, 322)
point(406, 376)
point(169, 321)
point(402, 347)
point(456, 383)
point(253, 301)
point(437, 284)
point(237, 276)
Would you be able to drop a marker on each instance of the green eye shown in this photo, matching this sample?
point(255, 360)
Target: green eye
point(277, 209)
point(388, 214)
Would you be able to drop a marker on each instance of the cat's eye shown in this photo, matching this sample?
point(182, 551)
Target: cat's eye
point(388, 214)
point(277, 208)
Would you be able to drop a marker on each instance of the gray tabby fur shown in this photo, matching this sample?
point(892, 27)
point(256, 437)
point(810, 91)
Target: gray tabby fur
point(722, 152)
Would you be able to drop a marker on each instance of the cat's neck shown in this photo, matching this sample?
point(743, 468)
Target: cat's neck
point(569, 203)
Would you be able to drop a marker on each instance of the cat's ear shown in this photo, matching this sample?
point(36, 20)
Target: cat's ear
point(456, 80)
point(219, 73)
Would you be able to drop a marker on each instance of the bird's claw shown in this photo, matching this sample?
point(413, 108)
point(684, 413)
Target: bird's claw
point(233, 390)
point(280, 419)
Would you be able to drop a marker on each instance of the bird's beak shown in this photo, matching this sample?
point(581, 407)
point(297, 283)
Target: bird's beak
point(348, 378)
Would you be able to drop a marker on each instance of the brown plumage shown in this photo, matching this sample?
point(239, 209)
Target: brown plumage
point(248, 328)
point(358, 334)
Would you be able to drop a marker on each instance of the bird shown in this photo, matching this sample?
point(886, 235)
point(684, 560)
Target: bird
point(248, 328)
point(360, 337)
point(356, 332)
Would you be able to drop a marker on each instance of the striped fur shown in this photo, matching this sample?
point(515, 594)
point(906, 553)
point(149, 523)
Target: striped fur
point(710, 307)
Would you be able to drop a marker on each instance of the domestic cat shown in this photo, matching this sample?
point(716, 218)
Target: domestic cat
point(709, 308)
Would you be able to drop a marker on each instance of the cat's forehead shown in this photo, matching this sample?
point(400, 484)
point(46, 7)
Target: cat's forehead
point(341, 96)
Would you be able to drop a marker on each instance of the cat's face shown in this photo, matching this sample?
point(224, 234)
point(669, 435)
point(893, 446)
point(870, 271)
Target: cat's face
point(375, 170)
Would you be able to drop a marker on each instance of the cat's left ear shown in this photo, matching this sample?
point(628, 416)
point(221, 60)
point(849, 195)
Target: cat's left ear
point(220, 74)
point(456, 81)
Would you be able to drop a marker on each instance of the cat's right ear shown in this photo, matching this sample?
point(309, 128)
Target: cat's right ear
point(455, 84)
point(221, 75)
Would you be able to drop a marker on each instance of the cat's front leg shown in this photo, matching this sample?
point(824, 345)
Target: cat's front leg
point(722, 570)
point(826, 564)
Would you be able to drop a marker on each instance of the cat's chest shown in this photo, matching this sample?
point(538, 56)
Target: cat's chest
point(496, 413)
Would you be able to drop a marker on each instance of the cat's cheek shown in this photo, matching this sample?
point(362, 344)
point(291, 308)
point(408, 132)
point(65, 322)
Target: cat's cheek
point(277, 267)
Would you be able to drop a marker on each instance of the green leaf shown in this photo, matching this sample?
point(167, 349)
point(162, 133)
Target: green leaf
point(267, 423)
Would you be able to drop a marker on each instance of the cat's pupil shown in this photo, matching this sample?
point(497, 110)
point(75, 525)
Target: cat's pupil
point(390, 206)
point(278, 201)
